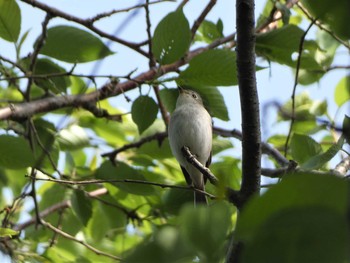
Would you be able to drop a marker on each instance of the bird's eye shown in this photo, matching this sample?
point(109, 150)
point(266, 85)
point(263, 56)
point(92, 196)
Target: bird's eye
point(194, 96)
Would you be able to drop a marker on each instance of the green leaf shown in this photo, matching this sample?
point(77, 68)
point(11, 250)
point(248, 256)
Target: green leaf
point(73, 138)
point(174, 199)
point(144, 112)
point(8, 232)
point(205, 229)
point(166, 245)
point(317, 161)
point(280, 44)
point(342, 91)
point(211, 68)
point(10, 20)
point(304, 147)
point(73, 45)
point(46, 158)
point(169, 97)
point(15, 152)
point(55, 84)
point(220, 144)
point(172, 38)
point(82, 206)
point(213, 100)
point(122, 171)
point(208, 31)
point(308, 234)
point(335, 15)
point(301, 215)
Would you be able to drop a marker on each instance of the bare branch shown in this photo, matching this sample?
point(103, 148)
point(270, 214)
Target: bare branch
point(343, 167)
point(232, 195)
point(202, 16)
point(33, 58)
point(68, 236)
point(301, 46)
point(84, 22)
point(157, 136)
point(25, 110)
point(265, 147)
point(116, 11)
point(322, 27)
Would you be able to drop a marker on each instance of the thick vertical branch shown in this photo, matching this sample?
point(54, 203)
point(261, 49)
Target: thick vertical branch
point(251, 138)
point(251, 141)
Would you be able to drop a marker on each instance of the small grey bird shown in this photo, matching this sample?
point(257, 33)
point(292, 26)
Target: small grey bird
point(190, 125)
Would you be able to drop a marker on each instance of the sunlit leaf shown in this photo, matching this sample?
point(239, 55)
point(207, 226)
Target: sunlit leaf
point(10, 20)
point(304, 147)
point(144, 112)
point(172, 38)
point(82, 206)
point(211, 68)
point(342, 91)
point(15, 152)
point(73, 45)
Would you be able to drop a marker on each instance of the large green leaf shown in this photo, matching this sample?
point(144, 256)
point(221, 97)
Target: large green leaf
point(46, 151)
point(279, 45)
point(172, 38)
point(82, 206)
point(304, 147)
point(8, 232)
point(72, 138)
point(205, 229)
point(342, 91)
point(211, 68)
point(301, 209)
point(208, 31)
point(56, 84)
point(10, 20)
point(213, 100)
point(73, 45)
point(166, 245)
point(122, 172)
point(15, 152)
point(144, 112)
point(317, 161)
point(335, 15)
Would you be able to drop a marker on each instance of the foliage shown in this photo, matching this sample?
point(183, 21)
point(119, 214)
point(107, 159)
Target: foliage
point(64, 202)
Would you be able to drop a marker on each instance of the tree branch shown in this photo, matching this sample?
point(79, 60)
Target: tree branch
point(251, 135)
point(301, 46)
point(28, 109)
point(84, 22)
point(251, 139)
point(66, 235)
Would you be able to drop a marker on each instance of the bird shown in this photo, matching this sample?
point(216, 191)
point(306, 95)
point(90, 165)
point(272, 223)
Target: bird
point(190, 125)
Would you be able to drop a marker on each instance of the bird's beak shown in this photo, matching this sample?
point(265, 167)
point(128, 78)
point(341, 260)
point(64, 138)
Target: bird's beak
point(181, 90)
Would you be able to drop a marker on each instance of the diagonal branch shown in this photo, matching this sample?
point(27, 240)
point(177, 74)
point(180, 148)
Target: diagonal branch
point(68, 236)
point(84, 22)
point(25, 110)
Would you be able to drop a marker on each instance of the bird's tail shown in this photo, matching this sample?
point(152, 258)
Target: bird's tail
point(200, 198)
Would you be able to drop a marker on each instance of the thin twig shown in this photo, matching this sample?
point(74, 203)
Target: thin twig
point(201, 17)
point(300, 52)
point(25, 110)
point(116, 11)
point(231, 195)
point(319, 24)
point(157, 136)
point(33, 58)
point(84, 22)
point(265, 147)
point(68, 236)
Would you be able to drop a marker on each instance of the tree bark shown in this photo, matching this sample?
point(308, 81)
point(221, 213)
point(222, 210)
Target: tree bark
point(251, 137)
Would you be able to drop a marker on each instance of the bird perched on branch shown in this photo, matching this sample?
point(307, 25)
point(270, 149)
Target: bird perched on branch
point(190, 125)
